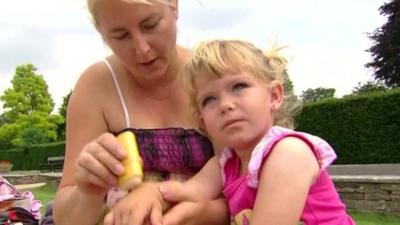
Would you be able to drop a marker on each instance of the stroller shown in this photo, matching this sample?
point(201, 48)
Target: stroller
point(17, 208)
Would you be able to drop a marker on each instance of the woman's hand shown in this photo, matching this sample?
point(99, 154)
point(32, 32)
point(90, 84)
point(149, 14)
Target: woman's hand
point(143, 205)
point(192, 207)
point(99, 165)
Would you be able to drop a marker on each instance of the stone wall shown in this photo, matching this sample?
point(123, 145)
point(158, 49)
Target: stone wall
point(370, 193)
point(33, 178)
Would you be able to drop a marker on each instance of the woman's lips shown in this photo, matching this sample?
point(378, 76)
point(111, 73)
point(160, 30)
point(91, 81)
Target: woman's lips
point(148, 63)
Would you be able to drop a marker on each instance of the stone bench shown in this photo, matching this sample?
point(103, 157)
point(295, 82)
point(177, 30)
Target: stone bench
point(54, 163)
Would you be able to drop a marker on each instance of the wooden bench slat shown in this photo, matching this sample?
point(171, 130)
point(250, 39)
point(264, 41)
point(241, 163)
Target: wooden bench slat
point(53, 163)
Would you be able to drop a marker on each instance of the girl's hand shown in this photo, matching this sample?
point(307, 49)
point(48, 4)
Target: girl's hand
point(143, 205)
point(99, 164)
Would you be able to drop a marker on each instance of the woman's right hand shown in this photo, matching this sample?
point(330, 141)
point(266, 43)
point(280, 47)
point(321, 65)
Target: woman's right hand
point(99, 165)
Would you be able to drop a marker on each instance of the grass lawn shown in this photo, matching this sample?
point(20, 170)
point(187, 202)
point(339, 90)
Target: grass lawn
point(46, 194)
point(363, 218)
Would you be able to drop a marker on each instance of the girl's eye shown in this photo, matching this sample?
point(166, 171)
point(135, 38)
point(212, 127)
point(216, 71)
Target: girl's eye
point(207, 101)
point(239, 86)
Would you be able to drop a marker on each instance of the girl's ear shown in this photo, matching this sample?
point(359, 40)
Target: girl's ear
point(277, 95)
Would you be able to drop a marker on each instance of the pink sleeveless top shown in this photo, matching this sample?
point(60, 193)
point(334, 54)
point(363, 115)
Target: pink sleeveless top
point(323, 205)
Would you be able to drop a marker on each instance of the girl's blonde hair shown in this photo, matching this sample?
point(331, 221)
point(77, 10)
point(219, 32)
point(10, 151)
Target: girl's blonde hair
point(91, 4)
point(217, 57)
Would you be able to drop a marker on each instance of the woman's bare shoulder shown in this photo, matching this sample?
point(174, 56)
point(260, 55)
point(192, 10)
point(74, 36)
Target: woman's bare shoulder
point(93, 87)
point(95, 75)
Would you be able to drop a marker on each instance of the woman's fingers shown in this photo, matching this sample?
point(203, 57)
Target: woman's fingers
point(110, 143)
point(179, 214)
point(189, 203)
point(99, 163)
point(109, 152)
point(89, 166)
point(84, 176)
point(108, 160)
point(156, 216)
point(173, 191)
point(109, 218)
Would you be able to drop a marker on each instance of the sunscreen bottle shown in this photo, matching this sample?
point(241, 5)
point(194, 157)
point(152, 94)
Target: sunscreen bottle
point(133, 164)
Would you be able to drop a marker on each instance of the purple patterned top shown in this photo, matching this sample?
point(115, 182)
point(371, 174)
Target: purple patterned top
point(168, 153)
point(173, 150)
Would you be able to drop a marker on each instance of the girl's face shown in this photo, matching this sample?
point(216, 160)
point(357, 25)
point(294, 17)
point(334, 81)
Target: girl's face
point(142, 36)
point(236, 110)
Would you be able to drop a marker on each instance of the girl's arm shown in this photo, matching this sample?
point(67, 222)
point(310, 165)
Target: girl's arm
point(284, 183)
point(208, 180)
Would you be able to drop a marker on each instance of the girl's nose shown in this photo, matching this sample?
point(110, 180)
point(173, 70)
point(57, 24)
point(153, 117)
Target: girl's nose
point(227, 105)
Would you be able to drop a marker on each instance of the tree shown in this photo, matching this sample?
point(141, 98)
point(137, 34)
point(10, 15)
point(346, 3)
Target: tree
point(39, 127)
point(386, 46)
point(288, 85)
point(29, 93)
point(28, 105)
point(317, 94)
point(63, 112)
point(8, 132)
point(63, 108)
point(368, 87)
point(2, 120)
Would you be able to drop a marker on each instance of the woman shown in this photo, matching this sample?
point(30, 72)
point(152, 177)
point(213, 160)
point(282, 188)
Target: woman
point(136, 88)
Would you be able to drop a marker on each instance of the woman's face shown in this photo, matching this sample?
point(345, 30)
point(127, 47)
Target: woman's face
point(142, 36)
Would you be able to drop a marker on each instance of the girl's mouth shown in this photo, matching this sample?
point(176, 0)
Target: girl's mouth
point(230, 123)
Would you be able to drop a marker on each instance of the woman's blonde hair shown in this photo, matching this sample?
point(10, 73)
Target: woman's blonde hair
point(91, 4)
point(217, 57)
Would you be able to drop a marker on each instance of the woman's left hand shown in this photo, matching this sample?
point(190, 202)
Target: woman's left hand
point(192, 207)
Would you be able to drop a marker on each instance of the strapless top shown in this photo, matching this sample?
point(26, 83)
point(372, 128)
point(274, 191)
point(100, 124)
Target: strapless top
point(172, 150)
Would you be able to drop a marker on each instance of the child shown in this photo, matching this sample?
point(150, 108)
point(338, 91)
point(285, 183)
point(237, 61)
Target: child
point(268, 173)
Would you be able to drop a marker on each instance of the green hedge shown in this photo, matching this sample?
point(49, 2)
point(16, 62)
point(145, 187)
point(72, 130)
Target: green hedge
point(364, 129)
point(31, 157)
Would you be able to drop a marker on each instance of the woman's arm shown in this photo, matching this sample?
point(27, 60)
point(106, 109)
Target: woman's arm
point(74, 207)
point(89, 168)
point(199, 199)
point(284, 183)
point(196, 212)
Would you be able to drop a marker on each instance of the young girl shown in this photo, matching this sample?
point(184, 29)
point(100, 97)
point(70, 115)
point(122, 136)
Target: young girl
point(268, 173)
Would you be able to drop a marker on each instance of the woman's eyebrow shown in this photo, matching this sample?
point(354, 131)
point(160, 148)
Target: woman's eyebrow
point(116, 30)
point(145, 20)
point(150, 17)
